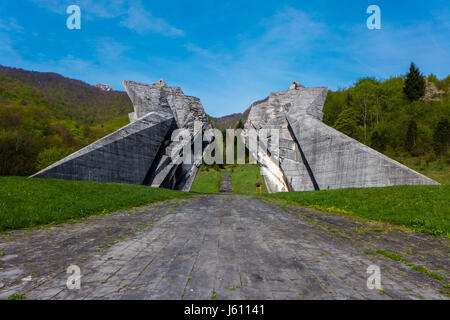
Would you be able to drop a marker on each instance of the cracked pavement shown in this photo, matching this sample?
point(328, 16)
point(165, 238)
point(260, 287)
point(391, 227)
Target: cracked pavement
point(225, 247)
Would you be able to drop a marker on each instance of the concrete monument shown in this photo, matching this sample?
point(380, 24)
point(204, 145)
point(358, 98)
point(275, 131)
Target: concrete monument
point(143, 152)
point(312, 155)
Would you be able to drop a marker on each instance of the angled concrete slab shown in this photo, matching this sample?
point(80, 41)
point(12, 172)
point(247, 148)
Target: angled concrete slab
point(124, 156)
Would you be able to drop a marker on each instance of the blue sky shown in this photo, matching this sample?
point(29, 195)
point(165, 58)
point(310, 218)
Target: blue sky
point(227, 53)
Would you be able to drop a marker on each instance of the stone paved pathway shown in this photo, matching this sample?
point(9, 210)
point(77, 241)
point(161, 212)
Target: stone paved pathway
point(226, 186)
point(224, 247)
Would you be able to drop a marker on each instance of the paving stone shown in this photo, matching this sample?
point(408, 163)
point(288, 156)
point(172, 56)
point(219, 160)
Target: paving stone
point(200, 248)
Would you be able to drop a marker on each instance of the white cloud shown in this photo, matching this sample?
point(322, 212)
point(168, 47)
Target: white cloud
point(389, 51)
point(132, 14)
point(90, 8)
point(11, 25)
point(142, 22)
point(108, 50)
point(294, 45)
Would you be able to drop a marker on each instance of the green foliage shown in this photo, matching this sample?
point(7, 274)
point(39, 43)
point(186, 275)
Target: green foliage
point(414, 84)
point(438, 170)
point(390, 255)
point(244, 178)
point(50, 156)
point(399, 258)
point(421, 208)
point(441, 136)
point(207, 180)
point(17, 152)
point(335, 102)
point(379, 140)
point(430, 157)
point(411, 135)
point(380, 115)
point(72, 99)
point(347, 123)
point(26, 203)
point(16, 297)
point(34, 118)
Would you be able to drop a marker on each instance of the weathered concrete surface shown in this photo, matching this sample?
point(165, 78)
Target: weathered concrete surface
point(160, 97)
point(168, 171)
point(314, 156)
point(199, 247)
point(146, 151)
point(338, 161)
point(124, 156)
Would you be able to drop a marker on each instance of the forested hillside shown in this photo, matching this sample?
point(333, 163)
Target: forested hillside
point(73, 99)
point(231, 121)
point(409, 123)
point(44, 117)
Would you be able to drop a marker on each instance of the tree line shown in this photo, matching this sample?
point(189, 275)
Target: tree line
point(40, 124)
point(403, 117)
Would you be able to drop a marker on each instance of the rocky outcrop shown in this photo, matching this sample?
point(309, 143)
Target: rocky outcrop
point(432, 93)
point(313, 156)
point(143, 152)
point(104, 87)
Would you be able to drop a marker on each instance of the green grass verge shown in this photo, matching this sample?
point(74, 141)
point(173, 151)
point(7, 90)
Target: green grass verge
point(16, 297)
point(399, 258)
point(207, 181)
point(26, 203)
point(438, 174)
point(420, 208)
point(244, 178)
point(437, 170)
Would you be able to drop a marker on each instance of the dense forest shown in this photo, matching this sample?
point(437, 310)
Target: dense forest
point(403, 117)
point(44, 117)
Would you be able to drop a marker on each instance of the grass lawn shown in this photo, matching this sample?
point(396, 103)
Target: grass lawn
point(421, 208)
point(437, 170)
point(243, 179)
point(26, 203)
point(207, 180)
point(438, 174)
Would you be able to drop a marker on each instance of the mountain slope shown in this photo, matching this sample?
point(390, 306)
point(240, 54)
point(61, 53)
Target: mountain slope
point(44, 117)
point(74, 99)
point(230, 121)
